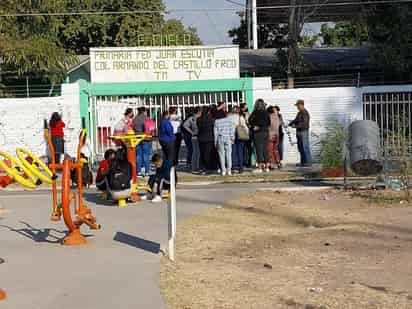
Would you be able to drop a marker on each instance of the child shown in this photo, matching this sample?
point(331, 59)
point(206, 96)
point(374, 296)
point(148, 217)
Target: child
point(162, 176)
point(57, 135)
point(103, 170)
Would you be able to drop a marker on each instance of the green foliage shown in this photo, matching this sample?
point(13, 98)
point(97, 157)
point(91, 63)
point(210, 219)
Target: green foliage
point(332, 147)
point(269, 36)
point(45, 46)
point(309, 41)
point(390, 32)
point(344, 34)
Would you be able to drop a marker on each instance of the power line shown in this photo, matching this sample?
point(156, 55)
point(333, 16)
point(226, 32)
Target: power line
point(236, 3)
point(348, 3)
point(191, 10)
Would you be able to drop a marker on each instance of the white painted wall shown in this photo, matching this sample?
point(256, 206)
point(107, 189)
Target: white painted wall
point(325, 105)
point(21, 121)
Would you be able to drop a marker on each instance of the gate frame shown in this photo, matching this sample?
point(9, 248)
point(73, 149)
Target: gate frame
point(90, 90)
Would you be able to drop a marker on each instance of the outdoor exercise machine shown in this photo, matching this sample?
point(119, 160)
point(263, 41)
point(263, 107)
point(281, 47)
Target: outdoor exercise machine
point(30, 171)
point(82, 212)
point(131, 141)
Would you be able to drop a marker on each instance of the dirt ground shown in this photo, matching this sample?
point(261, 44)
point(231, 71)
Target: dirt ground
point(307, 250)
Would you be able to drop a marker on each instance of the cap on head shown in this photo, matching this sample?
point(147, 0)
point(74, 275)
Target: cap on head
point(300, 102)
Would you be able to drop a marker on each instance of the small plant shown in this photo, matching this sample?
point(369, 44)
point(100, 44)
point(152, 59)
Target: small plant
point(332, 147)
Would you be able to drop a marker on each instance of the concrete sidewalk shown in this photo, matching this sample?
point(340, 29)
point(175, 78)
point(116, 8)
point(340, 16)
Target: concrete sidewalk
point(119, 268)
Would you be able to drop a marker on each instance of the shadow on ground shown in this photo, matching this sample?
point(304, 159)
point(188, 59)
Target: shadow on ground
point(136, 242)
point(38, 235)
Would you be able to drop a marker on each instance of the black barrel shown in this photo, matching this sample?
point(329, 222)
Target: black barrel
point(365, 147)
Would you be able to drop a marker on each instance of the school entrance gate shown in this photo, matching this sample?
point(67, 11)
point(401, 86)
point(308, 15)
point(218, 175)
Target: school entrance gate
point(107, 102)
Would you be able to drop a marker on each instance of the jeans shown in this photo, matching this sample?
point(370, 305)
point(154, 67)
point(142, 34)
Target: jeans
point(237, 154)
point(224, 149)
point(195, 154)
point(304, 147)
point(280, 149)
point(168, 150)
point(189, 148)
point(143, 156)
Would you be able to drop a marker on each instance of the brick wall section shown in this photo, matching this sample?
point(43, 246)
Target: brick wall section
point(21, 121)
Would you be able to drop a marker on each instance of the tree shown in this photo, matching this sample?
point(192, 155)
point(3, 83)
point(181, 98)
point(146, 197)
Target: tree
point(45, 46)
point(269, 36)
point(29, 45)
point(80, 33)
point(390, 35)
point(345, 34)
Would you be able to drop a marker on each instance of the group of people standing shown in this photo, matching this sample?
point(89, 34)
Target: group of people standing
point(220, 139)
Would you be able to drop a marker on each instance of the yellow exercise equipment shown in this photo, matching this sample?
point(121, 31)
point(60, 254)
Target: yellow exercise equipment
point(37, 165)
point(31, 182)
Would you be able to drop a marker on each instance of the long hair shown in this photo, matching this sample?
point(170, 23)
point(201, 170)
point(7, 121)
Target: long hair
point(55, 118)
point(259, 105)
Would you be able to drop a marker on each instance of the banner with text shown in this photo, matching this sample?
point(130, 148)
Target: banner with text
point(143, 64)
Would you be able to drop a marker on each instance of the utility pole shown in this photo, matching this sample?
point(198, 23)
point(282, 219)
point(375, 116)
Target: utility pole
point(254, 25)
point(248, 20)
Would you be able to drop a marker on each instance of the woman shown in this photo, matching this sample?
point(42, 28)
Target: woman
point(57, 135)
point(224, 135)
point(176, 122)
point(205, 136)
point(281, 133)
point(273, 143)
point(248, 149)
point(124, 126)
point(241, 137)
point(167, 138)
point(259, 121)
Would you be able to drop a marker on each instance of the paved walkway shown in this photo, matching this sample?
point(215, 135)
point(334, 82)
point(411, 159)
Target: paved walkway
point(119, 268)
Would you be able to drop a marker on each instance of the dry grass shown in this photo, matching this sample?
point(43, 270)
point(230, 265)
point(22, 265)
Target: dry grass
point(293, 250)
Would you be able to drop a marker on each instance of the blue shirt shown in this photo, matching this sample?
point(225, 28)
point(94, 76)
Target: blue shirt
point(166, 131)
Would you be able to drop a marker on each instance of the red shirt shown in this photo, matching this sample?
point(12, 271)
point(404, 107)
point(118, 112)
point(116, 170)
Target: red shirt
point(57, 130)
point(104, 166)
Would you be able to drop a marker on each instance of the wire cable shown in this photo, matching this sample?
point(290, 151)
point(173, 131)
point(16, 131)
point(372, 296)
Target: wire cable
point(191, 10)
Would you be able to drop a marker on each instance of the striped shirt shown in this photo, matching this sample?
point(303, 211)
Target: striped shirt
point(224, 129)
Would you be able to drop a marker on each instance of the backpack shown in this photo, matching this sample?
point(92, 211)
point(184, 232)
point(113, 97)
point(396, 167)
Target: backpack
point(119, 177)
point(87, 175)
point(149, 126)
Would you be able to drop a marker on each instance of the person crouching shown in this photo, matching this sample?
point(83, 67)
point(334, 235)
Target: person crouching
point(161, 178)
point(103, 170)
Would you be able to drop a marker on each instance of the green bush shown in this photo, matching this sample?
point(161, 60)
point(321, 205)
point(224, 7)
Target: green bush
point(332, 147)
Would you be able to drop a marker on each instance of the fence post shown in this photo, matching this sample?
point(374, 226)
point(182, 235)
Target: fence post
point(171, 214)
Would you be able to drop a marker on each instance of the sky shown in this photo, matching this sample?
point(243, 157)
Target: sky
point(212, 27)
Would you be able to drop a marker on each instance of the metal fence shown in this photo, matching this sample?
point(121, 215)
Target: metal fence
point(392, 111)
point(106, 111)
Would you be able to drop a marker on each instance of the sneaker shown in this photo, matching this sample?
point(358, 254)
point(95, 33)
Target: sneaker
point(157, 199)
point(219, 171)
point(223, 173)
point(267, 170)
point(229, 173)
point(258, 171)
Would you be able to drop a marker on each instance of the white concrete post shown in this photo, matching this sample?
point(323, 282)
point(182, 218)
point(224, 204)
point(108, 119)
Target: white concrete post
point(254, 25)
point(171, 214)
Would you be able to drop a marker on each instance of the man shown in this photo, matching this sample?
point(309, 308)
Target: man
point(189, 129)
point(301, 124)
point(142, 150)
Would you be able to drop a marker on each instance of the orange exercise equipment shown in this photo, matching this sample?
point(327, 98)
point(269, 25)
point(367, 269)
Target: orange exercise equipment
point(82, 212)
point(131, 140)
point(2, 294)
